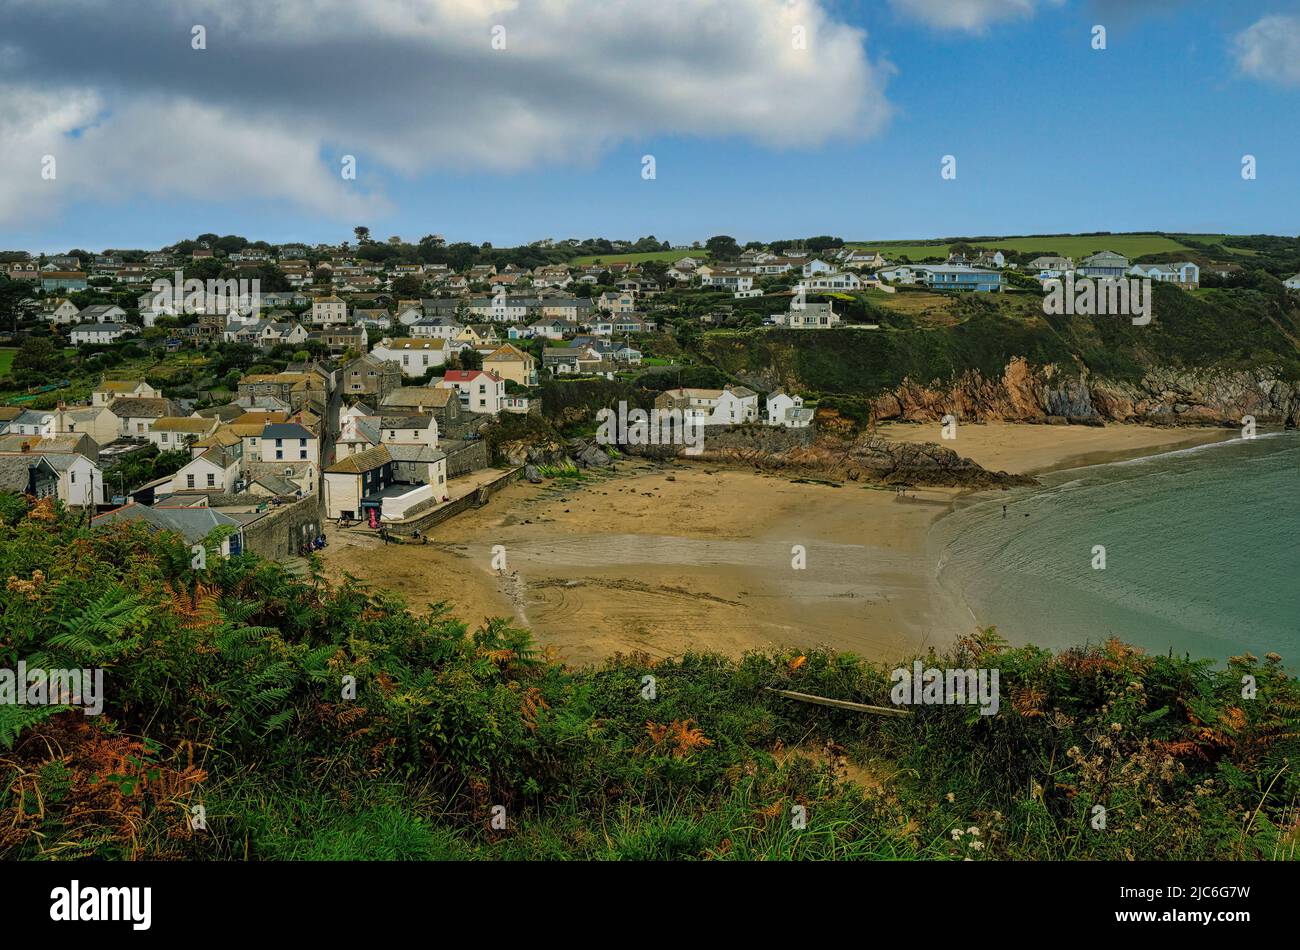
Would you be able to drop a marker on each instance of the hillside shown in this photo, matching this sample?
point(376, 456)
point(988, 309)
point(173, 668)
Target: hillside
point(1207, 356)
point(227, 689)
point(1076, 246)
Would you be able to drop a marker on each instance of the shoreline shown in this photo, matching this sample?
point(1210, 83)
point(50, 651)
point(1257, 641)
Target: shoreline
point(662, 558)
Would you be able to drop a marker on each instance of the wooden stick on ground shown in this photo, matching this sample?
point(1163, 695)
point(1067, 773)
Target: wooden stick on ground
point(839, 703)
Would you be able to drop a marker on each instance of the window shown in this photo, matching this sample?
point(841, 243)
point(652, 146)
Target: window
point(72, 477)
point(279, 453)
point(212, 480)
point(189, 481)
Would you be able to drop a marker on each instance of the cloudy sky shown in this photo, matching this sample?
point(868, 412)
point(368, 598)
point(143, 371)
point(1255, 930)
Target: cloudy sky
point(513, 120)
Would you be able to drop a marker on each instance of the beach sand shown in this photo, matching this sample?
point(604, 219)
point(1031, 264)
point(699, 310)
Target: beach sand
point(665, 558)
point(1034, 449)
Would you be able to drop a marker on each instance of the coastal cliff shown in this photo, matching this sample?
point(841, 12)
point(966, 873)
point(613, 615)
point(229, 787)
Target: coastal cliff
point(1163, 396)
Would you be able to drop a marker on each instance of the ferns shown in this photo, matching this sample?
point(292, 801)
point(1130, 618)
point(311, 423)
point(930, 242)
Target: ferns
point(14, 719)
point(99, 630)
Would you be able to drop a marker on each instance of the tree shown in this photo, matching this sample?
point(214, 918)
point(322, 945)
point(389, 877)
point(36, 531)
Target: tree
point(362, 234)
point(12, 294)
point(722, 247)
point(37, 355)
point(408, 285)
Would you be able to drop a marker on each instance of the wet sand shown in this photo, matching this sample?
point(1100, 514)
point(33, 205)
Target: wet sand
point(662, 559)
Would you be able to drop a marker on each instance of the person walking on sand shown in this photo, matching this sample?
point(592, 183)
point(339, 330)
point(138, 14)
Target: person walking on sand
point(1004, 511)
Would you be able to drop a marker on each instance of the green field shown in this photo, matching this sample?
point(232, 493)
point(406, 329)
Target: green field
point(1070, 245)
point(668, 256)
point(6, 360)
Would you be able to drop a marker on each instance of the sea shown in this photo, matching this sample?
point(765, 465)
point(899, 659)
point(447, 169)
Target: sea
point(1193, 552)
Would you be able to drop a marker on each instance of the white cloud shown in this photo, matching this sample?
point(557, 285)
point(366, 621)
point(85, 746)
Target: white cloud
point(408, 86)
point(1269, 49)
point(970, 16)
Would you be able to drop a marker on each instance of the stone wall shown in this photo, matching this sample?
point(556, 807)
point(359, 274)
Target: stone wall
point(282, 531)
point(475, 499)
point(464, 457)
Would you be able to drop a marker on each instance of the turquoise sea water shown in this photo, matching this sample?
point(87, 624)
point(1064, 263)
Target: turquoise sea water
point(1202, 552)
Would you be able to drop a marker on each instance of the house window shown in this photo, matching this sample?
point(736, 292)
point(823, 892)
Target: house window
point(279, 453)
point(212, 480)
point(189, 481)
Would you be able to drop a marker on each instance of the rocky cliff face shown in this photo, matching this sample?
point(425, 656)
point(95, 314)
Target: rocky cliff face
point(1164, 396)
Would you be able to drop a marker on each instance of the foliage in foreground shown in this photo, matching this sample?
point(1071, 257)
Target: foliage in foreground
point(224, 690)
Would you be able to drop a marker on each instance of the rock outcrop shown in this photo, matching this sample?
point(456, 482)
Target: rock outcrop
point(865, 458)
point(1164, 396)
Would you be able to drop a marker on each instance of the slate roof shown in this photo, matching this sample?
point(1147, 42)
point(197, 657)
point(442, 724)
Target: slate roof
point(366, 461)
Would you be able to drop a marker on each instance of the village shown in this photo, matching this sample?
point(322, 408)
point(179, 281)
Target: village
point(376, 420)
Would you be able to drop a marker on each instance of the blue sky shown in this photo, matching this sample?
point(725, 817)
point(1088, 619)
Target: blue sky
point(509, 146)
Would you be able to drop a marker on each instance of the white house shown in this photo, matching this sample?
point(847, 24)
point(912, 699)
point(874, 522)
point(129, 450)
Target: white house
point(329, 310)
point(479, 390)
point(101, 313)
point(834, 280)
point(416, 355)
point(728, 406)
point(216, 470)
point(899, 274)
point(176, 432)
point(1183, 273)
point(1292, 283)
point(786, 410)
point(110, 389)
point(37, 422)
point(816, 266)
point(88, 333)
point(64, 314)
point(81, 483)
point(810, 316)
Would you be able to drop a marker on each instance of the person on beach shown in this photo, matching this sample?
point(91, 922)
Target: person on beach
point(1004, 511)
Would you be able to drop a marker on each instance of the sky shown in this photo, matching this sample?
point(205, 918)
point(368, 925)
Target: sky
point(137, 123)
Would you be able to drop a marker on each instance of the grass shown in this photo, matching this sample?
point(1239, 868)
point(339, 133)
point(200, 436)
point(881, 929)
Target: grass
point(6, 360)
point(1069, 245)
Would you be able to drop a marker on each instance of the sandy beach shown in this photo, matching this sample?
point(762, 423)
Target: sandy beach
point(665, 558)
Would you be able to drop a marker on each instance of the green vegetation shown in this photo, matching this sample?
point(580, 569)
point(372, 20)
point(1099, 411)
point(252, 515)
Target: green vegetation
point(1221, 328)
point(1066, 245)
point(226, 688)
point(7, 355)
